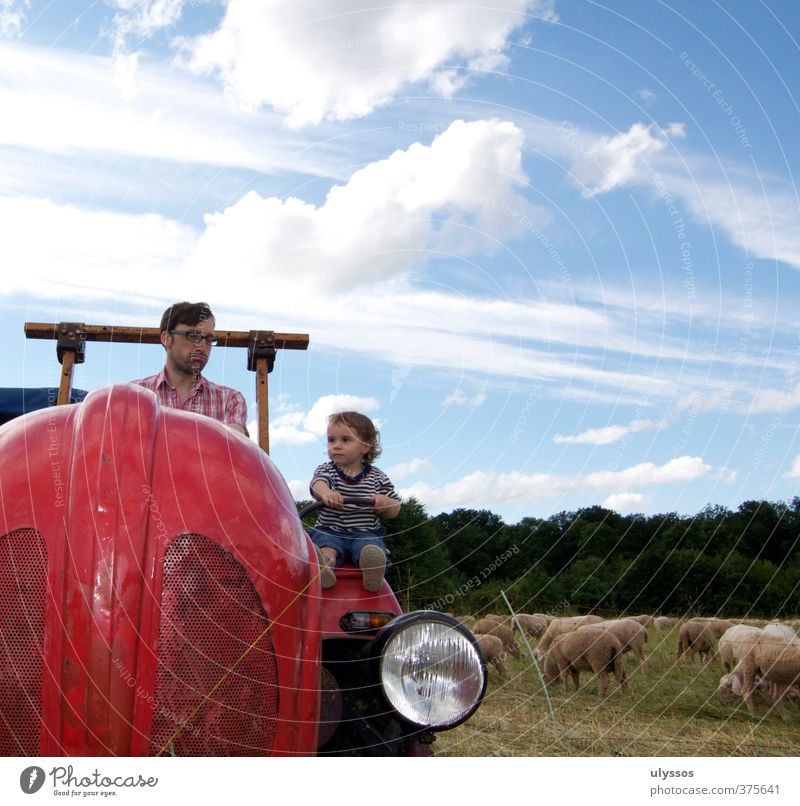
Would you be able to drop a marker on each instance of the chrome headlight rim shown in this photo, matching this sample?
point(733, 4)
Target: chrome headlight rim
point(402, 623)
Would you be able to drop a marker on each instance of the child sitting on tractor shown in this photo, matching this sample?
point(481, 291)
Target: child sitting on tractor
point(347, 533)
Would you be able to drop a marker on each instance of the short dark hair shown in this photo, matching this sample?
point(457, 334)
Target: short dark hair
point(362, 427)
point(185, 313)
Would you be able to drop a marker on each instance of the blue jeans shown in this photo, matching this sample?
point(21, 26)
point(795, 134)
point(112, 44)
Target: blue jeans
point(348, 545)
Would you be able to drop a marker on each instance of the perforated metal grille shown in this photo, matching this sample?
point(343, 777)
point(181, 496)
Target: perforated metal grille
point(210, 616)
point(23, 593)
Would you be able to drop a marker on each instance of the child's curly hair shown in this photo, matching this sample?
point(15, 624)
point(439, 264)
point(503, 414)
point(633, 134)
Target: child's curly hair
point(362, 427)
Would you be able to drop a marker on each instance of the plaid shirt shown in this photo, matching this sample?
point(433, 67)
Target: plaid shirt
point(218, 402)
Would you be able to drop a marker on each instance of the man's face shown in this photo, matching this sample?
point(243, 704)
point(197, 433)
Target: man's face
point(182, 353)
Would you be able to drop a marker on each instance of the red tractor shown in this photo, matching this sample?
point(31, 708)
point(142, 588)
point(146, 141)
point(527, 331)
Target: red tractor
point(158, 595)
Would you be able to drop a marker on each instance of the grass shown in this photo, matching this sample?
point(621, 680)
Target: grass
point(670, 709)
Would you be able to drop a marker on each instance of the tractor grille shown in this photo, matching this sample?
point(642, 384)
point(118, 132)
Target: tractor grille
point(23, 593)
point(213, 697)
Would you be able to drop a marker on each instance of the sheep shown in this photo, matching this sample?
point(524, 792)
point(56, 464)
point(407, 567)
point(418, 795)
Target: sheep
point(664, 623)
point(696, 638)
point(495, 652)
point(645, 620)
point(559, 626)
point(782, 631)
point(631, 634)
point(489, 627)
point(735, 642)
point(777, 663)
point(533, 625)
point(597, 651)
point(716, 626)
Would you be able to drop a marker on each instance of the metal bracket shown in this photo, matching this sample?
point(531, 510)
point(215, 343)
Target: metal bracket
point(261, 344)
point(71, 338)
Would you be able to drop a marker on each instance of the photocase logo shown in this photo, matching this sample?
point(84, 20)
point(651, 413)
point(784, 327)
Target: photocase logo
point(31, 780)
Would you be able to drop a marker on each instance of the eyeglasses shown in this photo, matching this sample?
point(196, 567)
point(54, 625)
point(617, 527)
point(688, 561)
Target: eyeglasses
point(195, 338)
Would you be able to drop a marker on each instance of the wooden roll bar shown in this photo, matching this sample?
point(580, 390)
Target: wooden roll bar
point(71, 338)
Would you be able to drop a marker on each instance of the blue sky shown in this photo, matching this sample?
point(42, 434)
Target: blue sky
point(552, 246)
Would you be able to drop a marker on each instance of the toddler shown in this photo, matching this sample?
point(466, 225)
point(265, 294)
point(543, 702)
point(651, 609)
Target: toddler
point(349, 532)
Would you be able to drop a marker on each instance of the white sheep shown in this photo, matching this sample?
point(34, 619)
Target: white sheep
point(735, 642)
point(533, 625)
point(495, 652)
point(696, 638)
point(486, 626)
point(559, 626)
point(572, 653)
point(631, 634)
point(777, 663)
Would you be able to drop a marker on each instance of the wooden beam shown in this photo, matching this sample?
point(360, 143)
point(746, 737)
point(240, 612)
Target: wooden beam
point(152, 335)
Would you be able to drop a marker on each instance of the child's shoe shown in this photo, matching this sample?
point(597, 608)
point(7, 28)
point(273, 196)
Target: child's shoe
point(326, 575)
point(372, 562)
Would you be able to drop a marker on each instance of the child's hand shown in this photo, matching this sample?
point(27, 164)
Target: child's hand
point(331, 499)
point(385, 506)
point(328, 496)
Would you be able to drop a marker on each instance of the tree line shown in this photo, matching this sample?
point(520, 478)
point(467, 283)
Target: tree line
point(737, 563)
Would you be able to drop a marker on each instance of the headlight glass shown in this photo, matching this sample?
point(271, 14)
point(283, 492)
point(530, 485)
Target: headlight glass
point(431, 674)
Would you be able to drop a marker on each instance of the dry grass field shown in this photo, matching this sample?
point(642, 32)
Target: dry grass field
point(670, 709)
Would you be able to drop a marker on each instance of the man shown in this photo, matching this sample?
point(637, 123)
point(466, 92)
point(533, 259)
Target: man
point(187, 333)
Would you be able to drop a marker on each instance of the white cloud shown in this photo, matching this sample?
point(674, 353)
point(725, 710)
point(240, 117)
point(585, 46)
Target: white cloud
point(607, 435)
point(681, 469)
point(319, 61)
point(458, 398)
point(66, 103)
point(294, 427)
point(612, 162)
point(56, 250)
point(625, 502)
point(12, 16)
point(457, 196)
point(773, 401)
point(406, 469)
point(794, 473)
point(485, 488)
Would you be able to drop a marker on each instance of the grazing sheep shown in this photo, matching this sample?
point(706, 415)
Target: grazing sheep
point(631, 634)
point(782, 631)
point(735, 642)
point(716, 626)
point(506, 635)
point(644, 620)
point(559, 626)
point(664, 623)
point(495, 653)
point(777, 663)
point(696, 638)
point(533, 625)
point(596, 651)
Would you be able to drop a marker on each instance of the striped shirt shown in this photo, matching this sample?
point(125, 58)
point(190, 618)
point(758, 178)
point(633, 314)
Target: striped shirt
point(353, 518)
point(211, 399)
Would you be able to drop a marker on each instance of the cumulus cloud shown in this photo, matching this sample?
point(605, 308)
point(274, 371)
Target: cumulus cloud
point(683, 468)
point(794, 473)
point(294, 427)
point(315, 61)
point(625, 502)
point(406, 469)
point(612, 162)
point(12, 16)
point(607, 435)
point(485, 488)
point(457, 195)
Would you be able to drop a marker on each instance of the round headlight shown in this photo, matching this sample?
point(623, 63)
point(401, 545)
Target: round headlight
point(432, 673)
